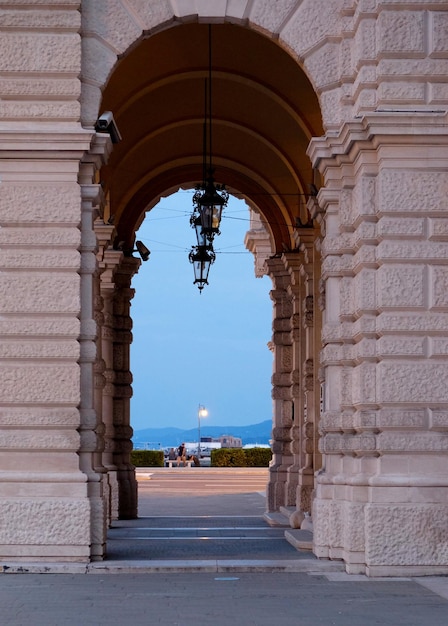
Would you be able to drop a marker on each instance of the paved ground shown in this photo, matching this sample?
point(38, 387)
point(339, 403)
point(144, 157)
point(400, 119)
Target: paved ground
point(201, 554)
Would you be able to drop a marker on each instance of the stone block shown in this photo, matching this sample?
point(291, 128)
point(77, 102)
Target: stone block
point(401, 32)
point(24, 52)
point(345, 208)
point(346, 301)
point(43, 384)
point(438, 286)
point(398, 68)
point(439, 34)
point(346, 63)
point(364, 257)
point(402, 92)
point(365, 291)
point(402, 441)
point(438, 346)
point(56, 467)
point(342, 243)
point(103, 23)
point(432, 323)
point(310, 25)
point(406, 534)
point(364, 384)
point(38, 416)
point(331, 107)
point(20, 295)
point(49, 237)
point(401, 346)
point(327, 523)
point(439, 419)
point(41, 20)
point(438, 229)
point(365, 40)
point(44, 203)
point(40, 88)
point(403, 250)
point(47, 3)
point(151, 14)
point(353, 527)
point(401, 286)
point(69, 111)
point(323, 65)
point(51, 259)
point(98, 59)
point(41, 327)
point(265, 18)
point(403, 227)
point(39, 439)
point(366, 349)
point(410, 382)
point(39, 350)
point(39, 522)
point(365, 194)
point(437, 93)
point(412, 191)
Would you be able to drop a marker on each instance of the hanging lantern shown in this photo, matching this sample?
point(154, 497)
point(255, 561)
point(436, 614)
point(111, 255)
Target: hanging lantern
point(209, 201)
point(196, 223)
point(201, 257)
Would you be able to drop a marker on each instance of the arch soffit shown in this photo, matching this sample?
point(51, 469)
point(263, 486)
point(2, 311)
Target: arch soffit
point(294, 169)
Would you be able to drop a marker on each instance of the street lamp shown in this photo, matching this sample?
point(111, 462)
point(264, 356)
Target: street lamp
point(202, 412)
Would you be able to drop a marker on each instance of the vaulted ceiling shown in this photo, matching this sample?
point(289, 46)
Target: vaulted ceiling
point(264, 113)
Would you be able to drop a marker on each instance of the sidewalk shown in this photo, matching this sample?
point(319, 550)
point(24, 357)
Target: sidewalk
point(205, 556)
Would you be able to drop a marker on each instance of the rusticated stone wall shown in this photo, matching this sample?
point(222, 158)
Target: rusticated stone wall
point(384, 481)
point(379, 69)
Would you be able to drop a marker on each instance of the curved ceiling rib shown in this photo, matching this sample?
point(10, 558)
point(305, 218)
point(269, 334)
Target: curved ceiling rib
point(264, 114)
point(127, 165)
point(236, 79)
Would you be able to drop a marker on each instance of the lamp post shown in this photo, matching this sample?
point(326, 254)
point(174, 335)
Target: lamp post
point(202, 412)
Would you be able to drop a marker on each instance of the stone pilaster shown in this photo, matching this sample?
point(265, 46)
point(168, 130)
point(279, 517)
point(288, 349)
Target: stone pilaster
point(109, 262)
point(281, 386)
point(383, 488)
point(127, 483)
point(292, 263)
point(311, 322)
point(46, 511)
point(91, 428)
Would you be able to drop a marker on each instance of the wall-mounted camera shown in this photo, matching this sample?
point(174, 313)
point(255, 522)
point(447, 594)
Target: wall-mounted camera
point(106, 124)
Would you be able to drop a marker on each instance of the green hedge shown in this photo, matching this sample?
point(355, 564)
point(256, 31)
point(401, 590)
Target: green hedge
point(147, 458)
point(237, 457)
point(258, 457)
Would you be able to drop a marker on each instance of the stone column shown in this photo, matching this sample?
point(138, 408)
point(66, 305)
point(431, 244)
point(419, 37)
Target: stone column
point(310, 271)
point(281, 386)
point(381, 501)
point(127, 483)
point(292, 262)
point(109, 260)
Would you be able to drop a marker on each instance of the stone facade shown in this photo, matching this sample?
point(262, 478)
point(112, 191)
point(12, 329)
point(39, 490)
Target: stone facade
point(360, 393)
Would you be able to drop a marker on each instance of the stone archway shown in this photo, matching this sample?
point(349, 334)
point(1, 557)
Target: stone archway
point(160, 113)
point(379, 72)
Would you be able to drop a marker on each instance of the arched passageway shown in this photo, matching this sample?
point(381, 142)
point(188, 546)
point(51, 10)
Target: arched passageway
point(358, 270)
point(264, 115)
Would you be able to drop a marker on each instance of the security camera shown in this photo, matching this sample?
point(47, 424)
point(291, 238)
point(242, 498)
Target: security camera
point(142, 250)
point(106, 124)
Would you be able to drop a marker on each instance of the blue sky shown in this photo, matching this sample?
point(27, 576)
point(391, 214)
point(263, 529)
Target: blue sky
point(192, 348)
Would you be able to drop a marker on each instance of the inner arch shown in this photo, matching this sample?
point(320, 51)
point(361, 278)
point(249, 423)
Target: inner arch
point(264, 114)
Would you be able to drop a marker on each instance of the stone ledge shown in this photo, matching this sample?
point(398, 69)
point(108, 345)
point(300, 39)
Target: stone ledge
point(306, 565)
point(300, 539)
point(276, 519)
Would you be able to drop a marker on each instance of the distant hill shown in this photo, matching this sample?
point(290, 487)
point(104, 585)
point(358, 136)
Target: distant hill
point(162, 437)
